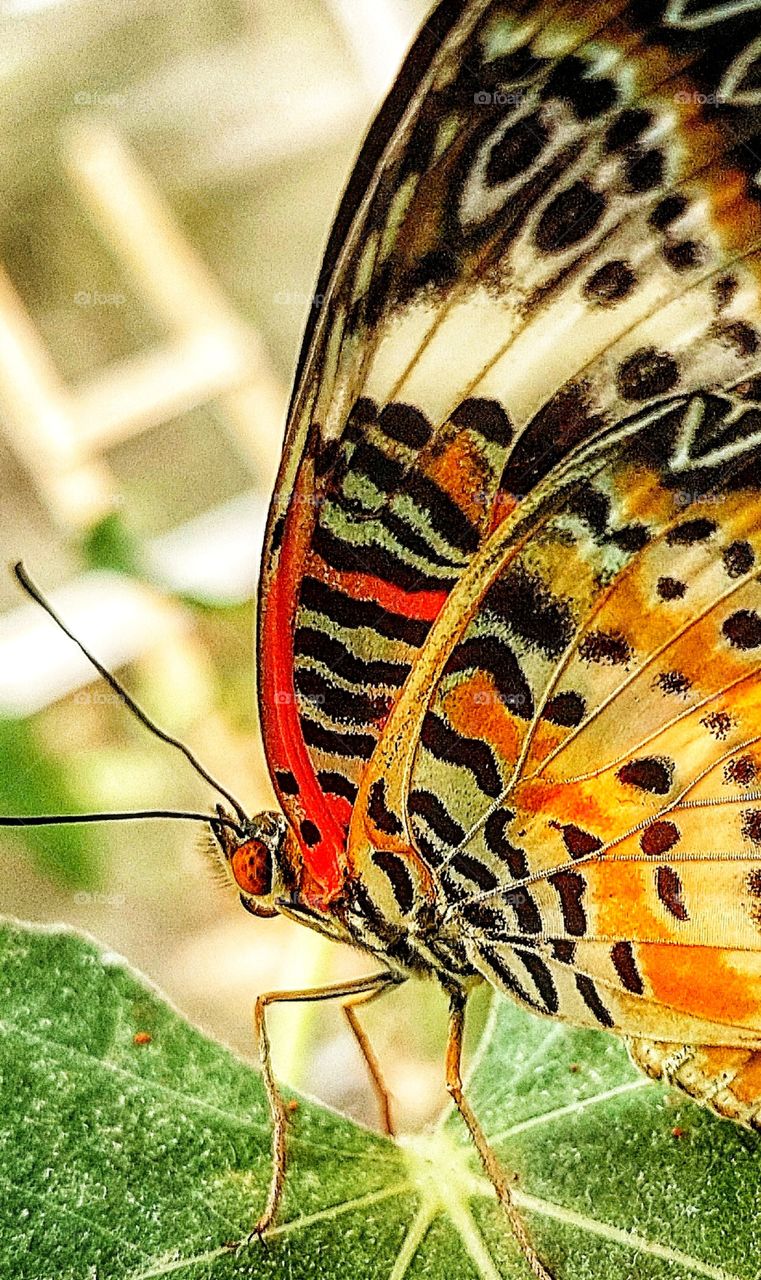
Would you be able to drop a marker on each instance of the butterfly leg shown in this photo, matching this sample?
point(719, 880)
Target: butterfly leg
point(360, 1035)
point(492, 1167)
point(367, 987)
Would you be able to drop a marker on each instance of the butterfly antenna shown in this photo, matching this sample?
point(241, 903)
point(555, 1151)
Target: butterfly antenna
point(63, 819)
point(34, 592)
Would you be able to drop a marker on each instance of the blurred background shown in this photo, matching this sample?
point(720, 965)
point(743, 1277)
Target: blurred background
point(169, 174)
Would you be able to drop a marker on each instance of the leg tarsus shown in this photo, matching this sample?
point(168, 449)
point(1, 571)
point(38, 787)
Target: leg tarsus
point(492, 1167)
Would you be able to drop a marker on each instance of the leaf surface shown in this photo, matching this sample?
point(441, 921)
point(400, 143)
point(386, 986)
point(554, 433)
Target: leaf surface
point(123, 1161)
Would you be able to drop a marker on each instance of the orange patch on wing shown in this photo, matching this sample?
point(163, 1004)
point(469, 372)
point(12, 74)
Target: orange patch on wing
point(476, 703)
point(700, 981)
point(621, 892)
point(463, 473)
point(583, 803)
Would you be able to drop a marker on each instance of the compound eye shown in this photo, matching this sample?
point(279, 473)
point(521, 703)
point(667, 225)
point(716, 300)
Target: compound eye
point(251, 866)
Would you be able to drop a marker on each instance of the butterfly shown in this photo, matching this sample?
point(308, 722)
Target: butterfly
point(509, 644)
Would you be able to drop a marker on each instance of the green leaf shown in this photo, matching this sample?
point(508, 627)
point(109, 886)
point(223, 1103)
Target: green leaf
point(136, 1160)
point(32, 782)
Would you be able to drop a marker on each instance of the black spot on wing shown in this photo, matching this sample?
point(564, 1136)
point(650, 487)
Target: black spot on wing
point(647, 374)
point(570, 887)
point(497, 842)
point(337, 784)
point(541, 977)
point(524, 601)
point(358, 746)
point(566, 420)
point(669, 888)
point(654, 774)
point(472, 869)
point(375, 559)
point(610, 283)
point(570, 217)
point(517, 149)
point(486, 418)
point(565, 709)
point(379, 812)
point(286, 782)
point(743, 629)
point(336, 702)
point(405, 424)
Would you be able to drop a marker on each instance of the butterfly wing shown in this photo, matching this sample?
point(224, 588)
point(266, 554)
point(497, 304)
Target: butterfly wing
point(579, 763)
point(556, 230)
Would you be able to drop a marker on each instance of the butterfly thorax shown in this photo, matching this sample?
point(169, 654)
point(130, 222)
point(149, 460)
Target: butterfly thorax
point(391, 914)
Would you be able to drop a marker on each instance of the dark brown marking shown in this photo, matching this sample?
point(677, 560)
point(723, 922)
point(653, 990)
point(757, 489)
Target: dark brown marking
point(310, 833)
point(741, 772)
point(570, 887)
point(743, 629)
point(611, 283)
point(650, 773)
point(669, 889)
point(286, 782)
point(645, 170)
point(625, 965)
point(667, 211)
point(405, 424)
point(670, 588)
point(673, 682)
point(563, 949)
point(589, 994)
point(718, 724)
point(569, 218)
point(609, 647)
point(565, 709)
point(689, 532)
point(471, 868)
point(518, 148)
point(738, 558)
point(750, 825)
point(378, 811)
point(579, 843)
point(743, 337)
point(485, 417)
point(626, 128)
point(682, 255)
point(658, 838)
point(647, 374)
point(724, 290)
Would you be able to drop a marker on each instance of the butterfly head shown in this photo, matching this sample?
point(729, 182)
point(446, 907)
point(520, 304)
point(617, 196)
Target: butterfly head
point(259, 860)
